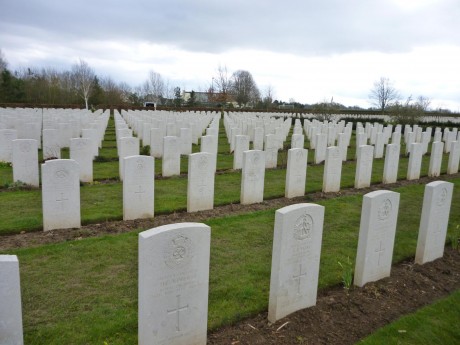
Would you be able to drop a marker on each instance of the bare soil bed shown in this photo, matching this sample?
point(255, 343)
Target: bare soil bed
point(33, 239)
point(342, 317)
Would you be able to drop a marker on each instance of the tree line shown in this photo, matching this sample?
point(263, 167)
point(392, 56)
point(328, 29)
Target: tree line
point(81, 85)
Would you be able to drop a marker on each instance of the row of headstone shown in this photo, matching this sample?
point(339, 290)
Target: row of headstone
point(138, 191)
point(174, 264)
point(297, 244)
point(166, 145)
point(55, 134)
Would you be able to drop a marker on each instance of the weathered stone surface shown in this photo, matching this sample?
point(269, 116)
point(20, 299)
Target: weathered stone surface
point(60, 194)
point(295, 260)
point(138, 187)
point(434, 220)
point(296, 173)
point(173, 284)
point(10, 301)
point(253, 175)
point(377, 230)
point(200, 185)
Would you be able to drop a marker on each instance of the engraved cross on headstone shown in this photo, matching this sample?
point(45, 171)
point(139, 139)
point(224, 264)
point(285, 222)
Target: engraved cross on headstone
point(298, 277)
point(177, 311)
point(61, 200)
point(380, 251)
point(139, 192)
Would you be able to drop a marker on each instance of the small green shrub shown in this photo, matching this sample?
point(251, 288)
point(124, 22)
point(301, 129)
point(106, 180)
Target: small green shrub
point(145, 150)
point(347, 273)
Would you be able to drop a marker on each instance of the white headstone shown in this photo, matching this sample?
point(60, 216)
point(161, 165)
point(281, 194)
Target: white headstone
point(364, 166)
point(332, 170)
point(295, 259)
point(138, 187)
point(415, 161)
point(435, 218)
point(10, 297)
point(297, 141)
point(156, 142)
point(342, 144)
point(396, 138)
point(410, 140)
point(171, 157)
point(25, 161)
point(185, 141)
point(296, 173)
point(92, 134)
point(209, 144)
point(258, 138)
point(129, 146)
point(379, 146)
point(81, 151)
point(435, 158)
point(390, 167)
point(377, 230)
point(60, 194)
point(271, 151)
point(51, 147)
point(173, 284)
point(320, 148)
point(454, 157)
point(253, 175)
point(241, 145)
point(200, 185)
point(6, 144)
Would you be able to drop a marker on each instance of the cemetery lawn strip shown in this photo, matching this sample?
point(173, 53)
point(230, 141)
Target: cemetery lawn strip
point(434, 324)
point(65, 285)
point(342, 318)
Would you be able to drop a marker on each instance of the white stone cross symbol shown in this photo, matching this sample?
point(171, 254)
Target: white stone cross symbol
point(298, 277)
point(62, 200)
point(140, 192)
point(380, 250)
point(177, 312)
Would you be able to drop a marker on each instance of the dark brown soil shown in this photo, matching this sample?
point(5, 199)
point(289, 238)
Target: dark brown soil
point(32, 239)
point(344, 318)
point(339, 317)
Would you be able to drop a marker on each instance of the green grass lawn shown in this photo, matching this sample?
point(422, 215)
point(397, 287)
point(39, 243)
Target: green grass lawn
point(22, 210)
point(434, 324)
point(85, 292)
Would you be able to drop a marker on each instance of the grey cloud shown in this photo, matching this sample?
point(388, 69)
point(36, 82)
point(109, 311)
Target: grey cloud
point(308, 28)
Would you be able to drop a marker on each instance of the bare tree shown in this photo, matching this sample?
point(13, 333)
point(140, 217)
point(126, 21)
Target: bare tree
point(83, 78)
point(325, 110)
point(156, 86)
point(384, 94)
point(112, 93)
point(244, 88)
point(223, 85)
point(423, 102)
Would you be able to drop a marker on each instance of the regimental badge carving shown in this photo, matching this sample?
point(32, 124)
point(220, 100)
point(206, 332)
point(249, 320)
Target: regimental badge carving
point(385, 209)
point(303, 227)
point(256, 158)
point(442, 197)
point(178, 252)
point(335, 154)
point(299, 155)
point(140, 164)
point(61, 174)
point(25, 147)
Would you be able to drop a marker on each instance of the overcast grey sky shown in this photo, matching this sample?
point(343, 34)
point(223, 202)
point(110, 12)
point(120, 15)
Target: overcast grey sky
point(306, 50)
